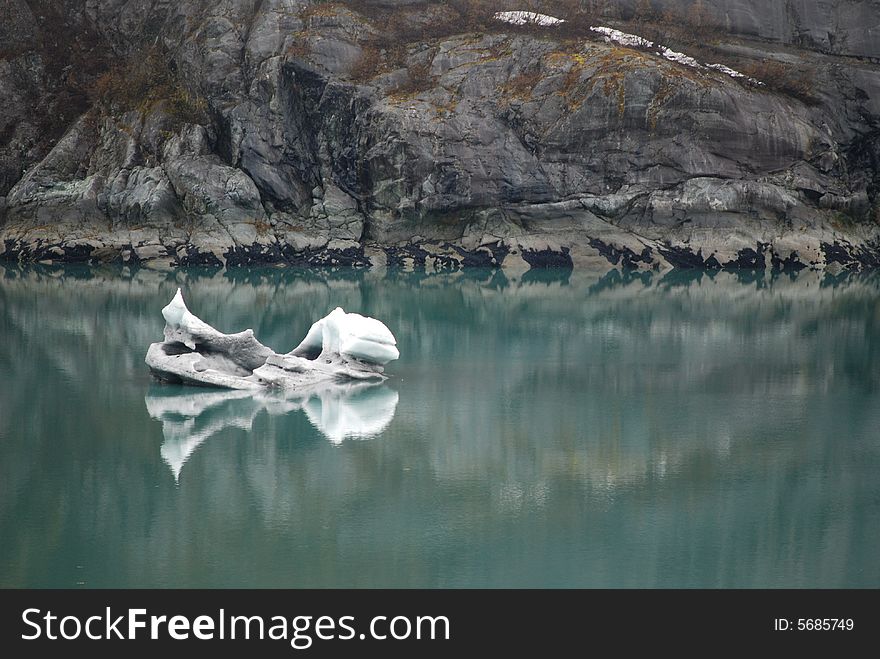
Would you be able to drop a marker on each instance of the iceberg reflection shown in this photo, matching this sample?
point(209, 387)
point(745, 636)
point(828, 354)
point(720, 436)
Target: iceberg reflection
point(354, 410)
point(338, 410)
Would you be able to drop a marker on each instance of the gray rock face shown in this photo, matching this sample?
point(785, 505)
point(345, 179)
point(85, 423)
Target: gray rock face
point(314, 146)
point(847, 27)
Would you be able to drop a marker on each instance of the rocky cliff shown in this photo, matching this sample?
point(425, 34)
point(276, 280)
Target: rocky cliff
point(427, 134)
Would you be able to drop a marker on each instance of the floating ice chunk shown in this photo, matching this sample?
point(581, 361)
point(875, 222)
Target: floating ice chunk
point(182, 324)
point(341, 345)
point(350, 335)
point(212, 352)
point(527, 17)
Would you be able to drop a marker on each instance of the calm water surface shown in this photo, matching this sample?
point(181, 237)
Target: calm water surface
point(547, 430)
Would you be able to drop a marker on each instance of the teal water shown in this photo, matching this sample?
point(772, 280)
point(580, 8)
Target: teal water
point(547, 430)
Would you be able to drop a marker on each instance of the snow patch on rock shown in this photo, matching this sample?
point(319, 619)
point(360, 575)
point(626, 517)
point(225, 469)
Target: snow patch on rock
point(527, 18)
point(622, 38)
point(635, 41)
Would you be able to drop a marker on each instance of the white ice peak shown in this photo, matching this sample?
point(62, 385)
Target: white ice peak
point(174, 311)
point(351, 335)
point(178, 318)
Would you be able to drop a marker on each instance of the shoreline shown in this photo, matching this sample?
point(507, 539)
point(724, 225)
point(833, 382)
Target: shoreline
point(832, 253)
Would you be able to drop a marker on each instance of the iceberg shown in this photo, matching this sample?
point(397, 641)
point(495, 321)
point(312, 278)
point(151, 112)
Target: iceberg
point(349, 335)
point(339, 347)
